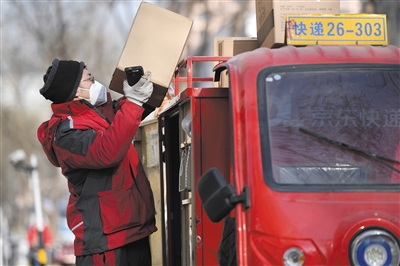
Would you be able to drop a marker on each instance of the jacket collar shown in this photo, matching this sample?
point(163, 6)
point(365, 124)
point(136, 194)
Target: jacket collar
point(63, 110)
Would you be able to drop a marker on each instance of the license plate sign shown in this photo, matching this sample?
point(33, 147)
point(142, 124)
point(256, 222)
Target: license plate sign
point(336, 29)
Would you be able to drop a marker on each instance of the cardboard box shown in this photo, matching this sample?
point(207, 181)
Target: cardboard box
point(231, 46)
point(271, 16)
point(155, 42)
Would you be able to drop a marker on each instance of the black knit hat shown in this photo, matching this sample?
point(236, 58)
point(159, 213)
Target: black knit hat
point(62, 80)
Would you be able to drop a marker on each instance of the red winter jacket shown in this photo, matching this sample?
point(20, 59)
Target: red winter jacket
point(111, 202)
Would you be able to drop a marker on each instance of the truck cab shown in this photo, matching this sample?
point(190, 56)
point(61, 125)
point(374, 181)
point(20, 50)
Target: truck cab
point(299, 156)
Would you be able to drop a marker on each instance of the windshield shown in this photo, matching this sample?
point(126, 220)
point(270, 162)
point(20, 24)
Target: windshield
point(331, 127)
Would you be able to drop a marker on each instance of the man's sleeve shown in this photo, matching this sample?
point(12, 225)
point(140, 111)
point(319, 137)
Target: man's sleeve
point(89, 149)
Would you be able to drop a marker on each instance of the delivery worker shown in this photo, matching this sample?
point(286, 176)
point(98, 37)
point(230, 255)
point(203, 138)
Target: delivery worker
point(111, 206)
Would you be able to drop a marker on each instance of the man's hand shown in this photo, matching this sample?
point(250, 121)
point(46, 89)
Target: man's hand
point(140, 92)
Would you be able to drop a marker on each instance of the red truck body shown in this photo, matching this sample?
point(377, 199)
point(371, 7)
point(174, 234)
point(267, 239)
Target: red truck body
point(323, 219)
point(308, 143)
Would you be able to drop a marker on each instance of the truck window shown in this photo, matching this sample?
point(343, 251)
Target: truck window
point(330, 125)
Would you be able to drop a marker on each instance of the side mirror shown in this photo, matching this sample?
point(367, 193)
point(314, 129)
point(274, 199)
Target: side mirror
point(218, 197)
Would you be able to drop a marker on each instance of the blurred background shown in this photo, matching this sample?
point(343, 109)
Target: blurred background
point(34, 33)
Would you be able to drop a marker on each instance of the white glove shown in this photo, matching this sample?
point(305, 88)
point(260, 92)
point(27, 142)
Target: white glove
point(140, 92)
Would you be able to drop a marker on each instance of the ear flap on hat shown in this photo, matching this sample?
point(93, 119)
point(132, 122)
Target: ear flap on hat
point(45, 76)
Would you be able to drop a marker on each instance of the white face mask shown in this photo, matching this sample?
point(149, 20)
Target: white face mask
point(98, 94)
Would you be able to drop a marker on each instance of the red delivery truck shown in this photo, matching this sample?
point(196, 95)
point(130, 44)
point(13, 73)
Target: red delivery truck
point(295, 162)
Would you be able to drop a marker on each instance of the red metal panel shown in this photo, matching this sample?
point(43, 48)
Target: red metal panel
point(289, 55)
point(210, 140)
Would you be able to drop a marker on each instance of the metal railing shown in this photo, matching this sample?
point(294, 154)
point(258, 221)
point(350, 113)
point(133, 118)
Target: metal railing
point(188, 64)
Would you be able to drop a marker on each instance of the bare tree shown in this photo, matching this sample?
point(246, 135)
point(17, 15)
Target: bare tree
point(213, 19)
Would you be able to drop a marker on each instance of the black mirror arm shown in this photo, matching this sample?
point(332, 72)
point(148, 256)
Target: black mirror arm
point(243, 198)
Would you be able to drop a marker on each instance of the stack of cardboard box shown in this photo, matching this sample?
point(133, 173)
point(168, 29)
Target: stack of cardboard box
point(271, 16)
